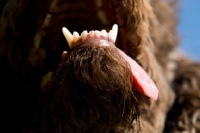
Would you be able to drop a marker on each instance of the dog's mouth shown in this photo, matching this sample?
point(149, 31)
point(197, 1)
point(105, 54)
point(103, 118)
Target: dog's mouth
point(102, 37)
point(84, 15)
point(76, 15)
point(141, 80)
point(91, 15)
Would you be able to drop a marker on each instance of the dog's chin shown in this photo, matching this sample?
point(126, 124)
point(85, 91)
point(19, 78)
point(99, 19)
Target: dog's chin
point(91, 92)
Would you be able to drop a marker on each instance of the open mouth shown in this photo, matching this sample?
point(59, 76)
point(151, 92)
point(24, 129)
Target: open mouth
point(87, 15)
point(95, 15)
point(141, 80)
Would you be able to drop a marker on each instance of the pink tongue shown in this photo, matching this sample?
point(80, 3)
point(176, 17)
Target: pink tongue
point(141, 79)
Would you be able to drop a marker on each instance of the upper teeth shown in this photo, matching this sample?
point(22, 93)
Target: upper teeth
point(113, 32)
point(75, 37)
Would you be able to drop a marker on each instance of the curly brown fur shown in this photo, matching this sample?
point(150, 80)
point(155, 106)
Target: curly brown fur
point(185, 113)
point(32, 42)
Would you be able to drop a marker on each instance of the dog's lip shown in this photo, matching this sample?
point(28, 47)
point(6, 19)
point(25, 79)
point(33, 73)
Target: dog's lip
point(141, 79)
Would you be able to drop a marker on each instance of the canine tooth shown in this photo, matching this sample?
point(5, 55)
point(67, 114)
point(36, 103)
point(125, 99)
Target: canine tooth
point(75, 36)
point(68, 36)
point(98, 33)
point(114, 32)
point(104, 33)
point(84, 34)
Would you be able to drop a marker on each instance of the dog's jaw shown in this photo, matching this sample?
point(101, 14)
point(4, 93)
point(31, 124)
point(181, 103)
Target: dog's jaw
point(99, 36)
point(141, 79)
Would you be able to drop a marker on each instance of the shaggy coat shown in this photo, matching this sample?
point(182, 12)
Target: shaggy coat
point(32, 43)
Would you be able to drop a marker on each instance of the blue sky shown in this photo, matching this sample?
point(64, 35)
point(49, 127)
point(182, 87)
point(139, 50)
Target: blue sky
point(189, 28)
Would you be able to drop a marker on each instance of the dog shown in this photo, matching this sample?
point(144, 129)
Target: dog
point(32, 43)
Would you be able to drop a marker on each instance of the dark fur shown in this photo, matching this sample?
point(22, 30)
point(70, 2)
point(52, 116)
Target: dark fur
point(91, 92)
point(32, 43)
point(185, 113)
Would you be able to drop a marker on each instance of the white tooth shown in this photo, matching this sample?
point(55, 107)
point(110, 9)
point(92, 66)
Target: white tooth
point(114, 32)
point(104, 33)
point(98, 33)
point(91, 33)
point(110, 33)
point(84, 34)
point(68, 36)
point(76, 36)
